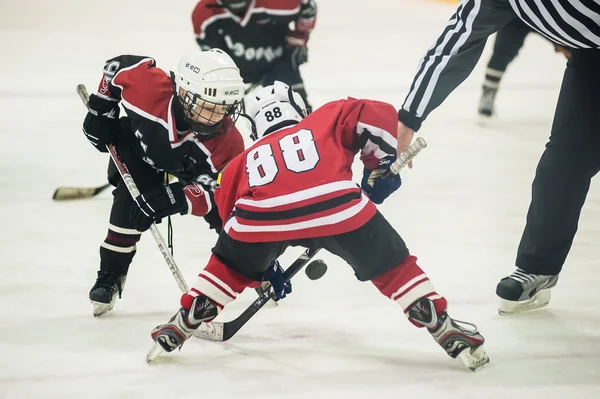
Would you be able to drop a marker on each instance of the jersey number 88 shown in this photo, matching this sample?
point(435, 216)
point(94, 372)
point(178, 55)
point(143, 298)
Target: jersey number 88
point(298, 151)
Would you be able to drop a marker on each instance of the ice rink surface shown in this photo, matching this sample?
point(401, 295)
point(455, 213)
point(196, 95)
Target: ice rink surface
point(461, 210)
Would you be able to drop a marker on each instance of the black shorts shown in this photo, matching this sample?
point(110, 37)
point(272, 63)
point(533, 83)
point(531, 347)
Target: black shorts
point(370, 250)
point(145, 178)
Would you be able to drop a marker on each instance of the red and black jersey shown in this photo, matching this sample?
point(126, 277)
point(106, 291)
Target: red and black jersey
point(255, 41)
point(159, 134)
point(297, 182)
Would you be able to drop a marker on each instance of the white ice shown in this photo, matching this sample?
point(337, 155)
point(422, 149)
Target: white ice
point(461, 211)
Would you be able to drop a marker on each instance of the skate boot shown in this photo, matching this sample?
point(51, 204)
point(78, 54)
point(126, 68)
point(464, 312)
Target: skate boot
point(265, 286)
point(458, 338)
point(522, 292)
point(104, 293)
point(170, 336)
point(486, 104)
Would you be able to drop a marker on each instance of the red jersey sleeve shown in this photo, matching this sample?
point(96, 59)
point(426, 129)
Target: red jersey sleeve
point(372, 127)
point(145, 89)
point(223, 148)
point(232, 184)
point(203, 17)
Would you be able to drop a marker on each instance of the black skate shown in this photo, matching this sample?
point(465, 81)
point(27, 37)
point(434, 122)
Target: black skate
point(170, 336)
point(459, 339)
point(522, 292)
point(104, 293)
point(486, 104)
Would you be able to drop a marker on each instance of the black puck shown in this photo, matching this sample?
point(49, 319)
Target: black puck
point(316, 269)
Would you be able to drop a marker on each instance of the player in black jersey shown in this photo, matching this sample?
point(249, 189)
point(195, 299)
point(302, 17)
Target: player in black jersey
point(257, 35)
point(180, 123)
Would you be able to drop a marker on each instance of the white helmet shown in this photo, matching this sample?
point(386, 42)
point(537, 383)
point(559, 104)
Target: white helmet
point(274, 107)
point(209, 77)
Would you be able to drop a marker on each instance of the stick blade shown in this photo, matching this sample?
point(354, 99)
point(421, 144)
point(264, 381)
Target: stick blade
point(73, 193)
point(212, 331)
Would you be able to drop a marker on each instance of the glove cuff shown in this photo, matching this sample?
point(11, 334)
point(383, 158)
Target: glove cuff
point(104, 107)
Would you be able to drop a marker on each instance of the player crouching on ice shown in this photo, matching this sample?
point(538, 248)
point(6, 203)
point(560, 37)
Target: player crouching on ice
point(293, 187)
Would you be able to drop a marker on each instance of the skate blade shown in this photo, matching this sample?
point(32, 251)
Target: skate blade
point(101, 308)
point(475, 359)
point(539, 301)
point(484, 120)
point(155, 352)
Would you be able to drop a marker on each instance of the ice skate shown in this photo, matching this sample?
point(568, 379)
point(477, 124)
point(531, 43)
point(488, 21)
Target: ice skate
point(522, 292)
point(172, 335)
point(105, 291)
point(459, 339)
point(486, 105)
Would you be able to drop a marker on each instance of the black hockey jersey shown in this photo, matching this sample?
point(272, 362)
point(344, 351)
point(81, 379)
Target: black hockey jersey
point(255, 41)
point(155, 125)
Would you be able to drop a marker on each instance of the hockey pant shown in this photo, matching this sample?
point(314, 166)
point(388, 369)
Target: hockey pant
point(375, 251)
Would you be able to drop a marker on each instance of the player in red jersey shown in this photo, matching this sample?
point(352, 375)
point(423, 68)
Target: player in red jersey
point(293, 187)
point(180, 123)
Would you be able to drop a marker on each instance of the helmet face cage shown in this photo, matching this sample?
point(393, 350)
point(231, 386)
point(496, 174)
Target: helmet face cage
point(208, 118)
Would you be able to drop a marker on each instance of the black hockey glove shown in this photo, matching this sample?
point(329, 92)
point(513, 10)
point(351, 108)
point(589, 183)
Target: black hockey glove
point(377, 187)
point(101, 124)
point(156, 204)
point(274, 275)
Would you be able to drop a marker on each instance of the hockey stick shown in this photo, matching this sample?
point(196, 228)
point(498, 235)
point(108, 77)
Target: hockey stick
point(133, 190)
point(223, 331)
point(75, 193)
point(407, 156)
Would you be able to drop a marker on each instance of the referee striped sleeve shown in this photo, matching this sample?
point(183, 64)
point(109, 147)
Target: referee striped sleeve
point(453, 56)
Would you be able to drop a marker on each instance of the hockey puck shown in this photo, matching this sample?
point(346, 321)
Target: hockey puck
point(316, 269)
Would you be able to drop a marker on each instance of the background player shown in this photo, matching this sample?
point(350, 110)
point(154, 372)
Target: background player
point(507, 44)
point(256, 34)
point(294, 188)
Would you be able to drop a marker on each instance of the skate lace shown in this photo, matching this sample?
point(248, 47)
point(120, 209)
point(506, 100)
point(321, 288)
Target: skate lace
point(108, 281)
point(524, 277)
point(466, 326)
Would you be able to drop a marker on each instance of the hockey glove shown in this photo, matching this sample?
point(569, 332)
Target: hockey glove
point(297, 39)
point(375, 185)
point(101, 124)
point(156, 204)
point(274, 275)
point(307, 18)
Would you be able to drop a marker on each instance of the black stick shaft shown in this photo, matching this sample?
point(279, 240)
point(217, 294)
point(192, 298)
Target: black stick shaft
point(232, 327)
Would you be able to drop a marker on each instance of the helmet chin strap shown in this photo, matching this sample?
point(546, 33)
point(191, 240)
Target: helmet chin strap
point(301, 112)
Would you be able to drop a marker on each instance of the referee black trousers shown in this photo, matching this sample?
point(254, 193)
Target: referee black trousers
point(563, 175)
point(509, 40)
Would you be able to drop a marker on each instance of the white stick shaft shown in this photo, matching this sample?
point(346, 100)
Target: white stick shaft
point(407, 156)
point(133, 190)
point(160, 241)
